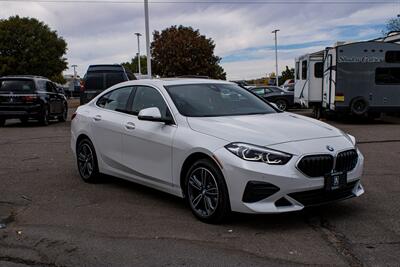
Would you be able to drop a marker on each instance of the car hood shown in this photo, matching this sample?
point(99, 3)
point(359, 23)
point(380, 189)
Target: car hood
point(265, 129)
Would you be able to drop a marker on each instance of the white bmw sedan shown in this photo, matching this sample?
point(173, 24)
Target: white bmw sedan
point(217, 145)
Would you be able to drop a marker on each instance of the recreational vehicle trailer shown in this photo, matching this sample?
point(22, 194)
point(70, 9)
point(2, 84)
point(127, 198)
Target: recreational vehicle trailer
point(359, 78)
point(362, 78)
point(308, 80)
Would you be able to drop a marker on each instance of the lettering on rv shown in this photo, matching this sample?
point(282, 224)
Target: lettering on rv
point(365, 59)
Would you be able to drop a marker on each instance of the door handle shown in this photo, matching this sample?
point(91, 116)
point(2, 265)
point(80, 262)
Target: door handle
point(97, 118)
point(130, 126)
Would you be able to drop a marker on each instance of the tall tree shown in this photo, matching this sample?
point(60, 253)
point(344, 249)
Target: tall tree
point(392, 25)
point(133, 65)
point(178, 51)
point(28, 46)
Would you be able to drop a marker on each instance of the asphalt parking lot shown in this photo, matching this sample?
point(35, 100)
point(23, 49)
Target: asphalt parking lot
point(51, 218)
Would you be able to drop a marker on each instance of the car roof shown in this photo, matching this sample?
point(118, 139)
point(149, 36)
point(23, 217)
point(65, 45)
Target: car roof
point(105, 67)
point(23, 77)
point(174, 81)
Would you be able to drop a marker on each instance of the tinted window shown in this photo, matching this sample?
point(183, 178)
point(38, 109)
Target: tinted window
point(258, 91)
point(318, 70)
point(297, 70)
point(94, 81)
point(50, 87)
point(148, 97)
point(113, 78)
point(206, 100)
point(116, 100)
point(17, 86)
point(304, 69)
point(387, 76)
point(392, 56)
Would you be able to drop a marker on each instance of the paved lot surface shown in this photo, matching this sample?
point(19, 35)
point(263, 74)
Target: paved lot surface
point(51, 218)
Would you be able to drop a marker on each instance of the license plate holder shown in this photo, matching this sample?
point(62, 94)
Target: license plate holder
point(335, 181)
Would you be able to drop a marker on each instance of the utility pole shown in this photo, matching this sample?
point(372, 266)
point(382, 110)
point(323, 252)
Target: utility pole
point(74, 66)
point(146, 20)
point(276, 56)
point(138, 53)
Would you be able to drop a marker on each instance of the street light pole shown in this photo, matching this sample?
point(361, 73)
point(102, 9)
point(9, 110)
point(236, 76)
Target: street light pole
point(276, 56)
point(146, 20)
point(138, 54)
point(74, 66)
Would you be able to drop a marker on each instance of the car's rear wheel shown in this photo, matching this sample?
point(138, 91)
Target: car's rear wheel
point(44, 117)
point(206, 192)
point(87, 161)
point(2, 122)
point(64, 116)
point(281, 104)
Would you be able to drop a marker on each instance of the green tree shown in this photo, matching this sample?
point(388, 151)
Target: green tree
point(392, 25)
point(287, 74)
point(133, 64)
point(28, 46)
point(178, 51)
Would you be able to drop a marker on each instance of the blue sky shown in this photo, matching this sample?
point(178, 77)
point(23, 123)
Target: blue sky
point(103, 33)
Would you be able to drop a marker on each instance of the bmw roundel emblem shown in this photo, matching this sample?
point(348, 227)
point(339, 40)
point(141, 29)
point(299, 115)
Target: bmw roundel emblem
point(331, 149)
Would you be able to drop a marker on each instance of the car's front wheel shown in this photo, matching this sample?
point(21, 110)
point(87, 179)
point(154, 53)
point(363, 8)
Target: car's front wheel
point(87, 161)
point(206, 192)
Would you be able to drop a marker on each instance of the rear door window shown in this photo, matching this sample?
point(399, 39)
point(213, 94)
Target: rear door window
point(17, 86)
point(116, 100)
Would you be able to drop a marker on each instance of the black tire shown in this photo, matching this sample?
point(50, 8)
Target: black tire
point(282, 104)
point(44, 117)
point(359, 106)
point(64, 116)
point(2, 122)
point(317, 112)
point(210, 190)
point(86, 160)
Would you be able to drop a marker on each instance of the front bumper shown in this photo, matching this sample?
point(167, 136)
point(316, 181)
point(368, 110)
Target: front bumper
point(296, 190)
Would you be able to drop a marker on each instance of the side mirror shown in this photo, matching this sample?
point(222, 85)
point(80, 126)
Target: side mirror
point(152, 114)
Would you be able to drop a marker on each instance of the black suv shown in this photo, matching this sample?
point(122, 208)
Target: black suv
point(25, 97)
point(100, 77)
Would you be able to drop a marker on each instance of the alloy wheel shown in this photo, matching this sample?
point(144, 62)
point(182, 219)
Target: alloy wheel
point(281, 104)
point(85, 161)
point(203, 192)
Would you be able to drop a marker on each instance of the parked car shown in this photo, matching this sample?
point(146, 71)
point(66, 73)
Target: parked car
point(26, 97)
point(215, 144)
point(100, 77)
point(282, 98)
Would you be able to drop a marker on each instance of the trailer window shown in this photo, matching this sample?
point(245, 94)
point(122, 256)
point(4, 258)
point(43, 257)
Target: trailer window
point(392, 57)
point(297, 70)
point(304, 70)
point(318, 70)
point(387, 76)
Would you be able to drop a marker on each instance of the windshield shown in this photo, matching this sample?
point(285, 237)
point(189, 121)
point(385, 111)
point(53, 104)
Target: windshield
point(212, 100)
point(17, 86)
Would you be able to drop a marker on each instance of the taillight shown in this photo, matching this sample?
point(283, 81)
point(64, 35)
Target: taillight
point(82, 86)
point(73, 116)
point(29, 98)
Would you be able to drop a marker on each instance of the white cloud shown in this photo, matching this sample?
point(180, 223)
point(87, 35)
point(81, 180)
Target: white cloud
point(100, 33)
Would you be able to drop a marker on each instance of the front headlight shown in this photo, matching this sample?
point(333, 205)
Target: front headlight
point(259, 154)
